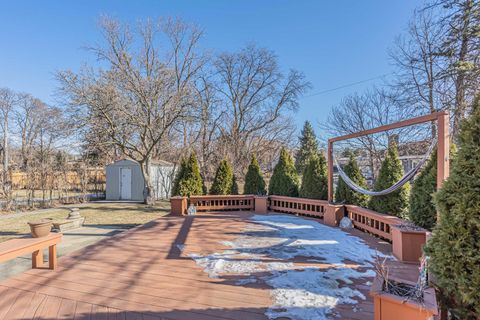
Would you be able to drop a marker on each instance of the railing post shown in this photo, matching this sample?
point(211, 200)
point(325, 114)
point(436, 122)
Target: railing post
point(178, 205)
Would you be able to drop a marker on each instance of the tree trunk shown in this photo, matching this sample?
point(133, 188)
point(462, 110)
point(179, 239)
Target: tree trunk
point(148, 192)
point(460, 81)
point(5, 144)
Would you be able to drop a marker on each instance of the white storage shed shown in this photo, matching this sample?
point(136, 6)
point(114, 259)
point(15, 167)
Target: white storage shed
point(124, 180)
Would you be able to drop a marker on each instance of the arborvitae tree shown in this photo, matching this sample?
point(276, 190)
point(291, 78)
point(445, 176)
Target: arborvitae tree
point(222, 183)
point(454, 249)
point(234, 186)
point(204, 186)
point(179, 177)
point(347, 195)
point(284, 181)
point(308, 147)
point(314, 181)
point(422, 209)
point(254, 183)
point(191, 183)
point(395, 203)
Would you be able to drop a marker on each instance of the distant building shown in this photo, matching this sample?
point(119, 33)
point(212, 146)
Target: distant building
point(124, 180)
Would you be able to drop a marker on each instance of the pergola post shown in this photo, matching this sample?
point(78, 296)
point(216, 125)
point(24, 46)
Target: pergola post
point(443, 149)
point(330, 171)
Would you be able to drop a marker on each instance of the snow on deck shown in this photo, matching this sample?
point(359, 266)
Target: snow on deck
point(309, 266)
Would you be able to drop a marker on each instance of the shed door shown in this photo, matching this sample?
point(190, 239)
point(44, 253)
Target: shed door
point(125, 183)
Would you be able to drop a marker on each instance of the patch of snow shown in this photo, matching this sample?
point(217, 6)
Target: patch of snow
point(299, 292)
point(180, 247)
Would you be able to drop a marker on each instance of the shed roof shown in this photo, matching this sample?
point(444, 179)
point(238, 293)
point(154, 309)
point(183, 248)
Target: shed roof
point(160, 163)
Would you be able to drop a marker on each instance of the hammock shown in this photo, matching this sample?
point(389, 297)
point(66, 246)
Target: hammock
point(407, 177)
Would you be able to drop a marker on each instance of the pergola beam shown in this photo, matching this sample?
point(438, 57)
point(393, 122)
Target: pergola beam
point(443, 147)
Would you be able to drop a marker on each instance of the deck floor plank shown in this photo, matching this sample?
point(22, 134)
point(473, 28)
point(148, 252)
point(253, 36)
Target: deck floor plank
point(143, 274)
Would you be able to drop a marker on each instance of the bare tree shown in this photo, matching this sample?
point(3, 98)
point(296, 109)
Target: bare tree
point(359, 112)
point(28, 118)
point(463, 50)
point(8, 99)
point(144, 92)
point(255, 94)
point(419, 62)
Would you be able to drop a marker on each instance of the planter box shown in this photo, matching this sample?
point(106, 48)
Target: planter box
point(333, 214)
point(261, 204)
point(407, 244)
point(178, 206)
point(391, 307)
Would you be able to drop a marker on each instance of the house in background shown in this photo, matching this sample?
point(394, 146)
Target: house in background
point(124, 180)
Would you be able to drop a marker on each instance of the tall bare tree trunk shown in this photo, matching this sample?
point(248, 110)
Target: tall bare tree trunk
point(148, 191)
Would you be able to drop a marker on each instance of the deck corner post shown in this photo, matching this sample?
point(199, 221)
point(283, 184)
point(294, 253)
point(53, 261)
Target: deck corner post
point(178, 206)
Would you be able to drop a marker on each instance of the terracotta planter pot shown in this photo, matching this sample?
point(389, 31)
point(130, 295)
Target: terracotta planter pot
point(40, 228)
point(407, 244)
point(391, 307)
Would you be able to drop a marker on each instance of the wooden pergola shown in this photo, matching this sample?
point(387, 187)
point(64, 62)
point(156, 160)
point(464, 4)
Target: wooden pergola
point(443, 147)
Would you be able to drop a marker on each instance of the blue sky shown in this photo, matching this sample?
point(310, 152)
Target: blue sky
point(334, 43)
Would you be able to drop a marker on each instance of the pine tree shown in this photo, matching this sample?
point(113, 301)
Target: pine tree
point(191, 181)
point(314, 181)
point(347, 195)
point(254, 183)
point(395, 203)
point(222, 183)
point(234, 186)
point(454, 249)
point(179, 177)
point(284, 181)
point(308, 147)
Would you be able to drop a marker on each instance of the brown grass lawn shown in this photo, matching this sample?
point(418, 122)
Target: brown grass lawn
point(121, 215)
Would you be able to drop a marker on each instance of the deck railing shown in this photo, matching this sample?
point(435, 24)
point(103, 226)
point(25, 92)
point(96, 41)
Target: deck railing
point(376, 223)
point(223, 202)
point(309, 207)
point(364, 219)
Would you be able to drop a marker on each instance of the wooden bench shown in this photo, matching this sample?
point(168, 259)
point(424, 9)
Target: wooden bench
point(18, 247)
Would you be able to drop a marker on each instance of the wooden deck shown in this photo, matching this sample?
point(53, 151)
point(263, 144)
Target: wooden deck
point(143, 274)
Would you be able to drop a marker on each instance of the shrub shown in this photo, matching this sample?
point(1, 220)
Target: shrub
point(422, 211)
point(284, 181)
point(234, 186)
point(190, 181)
point(254, 183)
point(347, 195)
point(454, 248)
point(179, 177)
point(308, 147)
point(222, 183)
point(395, 203)
point(314, 181)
